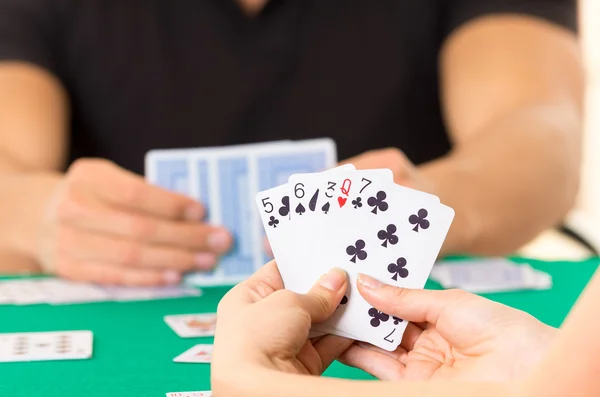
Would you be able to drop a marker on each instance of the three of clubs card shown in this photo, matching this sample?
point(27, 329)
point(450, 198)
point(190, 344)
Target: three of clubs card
point(362, 222)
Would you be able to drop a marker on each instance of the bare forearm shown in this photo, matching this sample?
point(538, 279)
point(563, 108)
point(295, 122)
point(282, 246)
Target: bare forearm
point(511, 182)
point(281, 384)
point(23, 200)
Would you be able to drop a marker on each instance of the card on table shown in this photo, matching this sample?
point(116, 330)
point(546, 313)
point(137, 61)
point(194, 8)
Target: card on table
point(361, 221)
point(45, 346)
point(201, 354)
point(190, 394)
point(193, 325)
point(225, 180)
point(63, 292)
point(489, 275)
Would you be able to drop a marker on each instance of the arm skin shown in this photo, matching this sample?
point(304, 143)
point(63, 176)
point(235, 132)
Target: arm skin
point(290, 385)
point(33, 145)
point(512, 90)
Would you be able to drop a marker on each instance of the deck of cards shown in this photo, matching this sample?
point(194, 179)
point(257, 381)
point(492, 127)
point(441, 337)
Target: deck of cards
point(362, 222)
point(225, 180)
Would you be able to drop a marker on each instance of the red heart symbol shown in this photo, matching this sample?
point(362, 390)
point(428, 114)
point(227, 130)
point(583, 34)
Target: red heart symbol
point(342, 201)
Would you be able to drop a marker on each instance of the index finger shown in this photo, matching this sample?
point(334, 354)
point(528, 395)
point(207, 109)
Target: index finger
point(415, 305)
point(124, 188)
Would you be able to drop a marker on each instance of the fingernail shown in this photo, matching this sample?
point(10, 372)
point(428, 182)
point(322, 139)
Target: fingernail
point(171, 277)
point(193, 213)
point(205, 260)
point(219, 240)
point(369, 282)
point(333, 279)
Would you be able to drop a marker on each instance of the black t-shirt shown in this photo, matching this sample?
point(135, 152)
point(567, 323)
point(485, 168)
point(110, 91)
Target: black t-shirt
point(145, 74)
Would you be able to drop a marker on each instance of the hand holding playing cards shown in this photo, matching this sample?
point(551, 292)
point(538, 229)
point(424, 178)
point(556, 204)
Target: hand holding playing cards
point(262, 326)
point(452, 335)
point(105, 224)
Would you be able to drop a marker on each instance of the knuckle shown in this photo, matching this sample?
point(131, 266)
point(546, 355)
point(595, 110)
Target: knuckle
point(142, 228)
point(455, 294)
point(130, 254)
point(82, 169)
point(70, 207)
point(286, 298)
point(325, 305)
point(132, 193)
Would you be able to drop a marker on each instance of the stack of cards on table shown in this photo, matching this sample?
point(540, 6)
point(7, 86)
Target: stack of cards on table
point(489, 275)
point(60, 292)
point(225, 180)
point(45, 346)
point(362, 222)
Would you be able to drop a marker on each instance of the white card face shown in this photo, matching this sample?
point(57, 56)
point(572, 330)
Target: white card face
point(190, 394)
point(201, 354)
point(193, 325)
point(392, 251)
point(386, 222)
point(315, 194)
point(45, 346)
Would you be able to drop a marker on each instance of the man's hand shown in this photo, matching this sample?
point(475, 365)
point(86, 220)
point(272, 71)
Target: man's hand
point(452, 335)
point(104, 224)
point(405, 172)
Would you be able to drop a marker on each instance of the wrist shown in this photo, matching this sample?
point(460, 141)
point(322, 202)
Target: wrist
point(25, 199)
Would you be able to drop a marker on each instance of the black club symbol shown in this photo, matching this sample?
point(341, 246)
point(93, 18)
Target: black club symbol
point(357, 251)
point(397, 269)
point(388, 235)
point(378, 317)
point(285, 208)
point(273, 221)
point(378, 202)
point(419, 220)
point(357, 203)
point(343, 302)
point(397, 320)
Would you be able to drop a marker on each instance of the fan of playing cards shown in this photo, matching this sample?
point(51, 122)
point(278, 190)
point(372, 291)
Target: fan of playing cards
point(362, 222)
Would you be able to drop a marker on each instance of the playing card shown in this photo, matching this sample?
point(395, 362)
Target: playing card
point(190, 394)
point(193, 325)
point(226, 180)
point(390, 232)
point(489, 275)
point(197, 354)
point(43, 346)
point(314, 194)
point(123, 294)
point(392, 251)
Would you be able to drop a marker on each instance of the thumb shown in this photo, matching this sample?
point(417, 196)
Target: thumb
point(324, 297)
point(416, 305)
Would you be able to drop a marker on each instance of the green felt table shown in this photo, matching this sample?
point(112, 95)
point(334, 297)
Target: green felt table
point(134, 348)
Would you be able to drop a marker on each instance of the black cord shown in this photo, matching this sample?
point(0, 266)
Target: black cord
point(567, 231)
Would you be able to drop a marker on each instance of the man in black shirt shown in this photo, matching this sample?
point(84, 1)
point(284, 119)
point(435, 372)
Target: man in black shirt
point(480, 101)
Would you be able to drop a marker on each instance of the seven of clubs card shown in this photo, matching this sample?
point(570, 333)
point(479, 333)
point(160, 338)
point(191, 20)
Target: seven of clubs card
point(362, 222)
